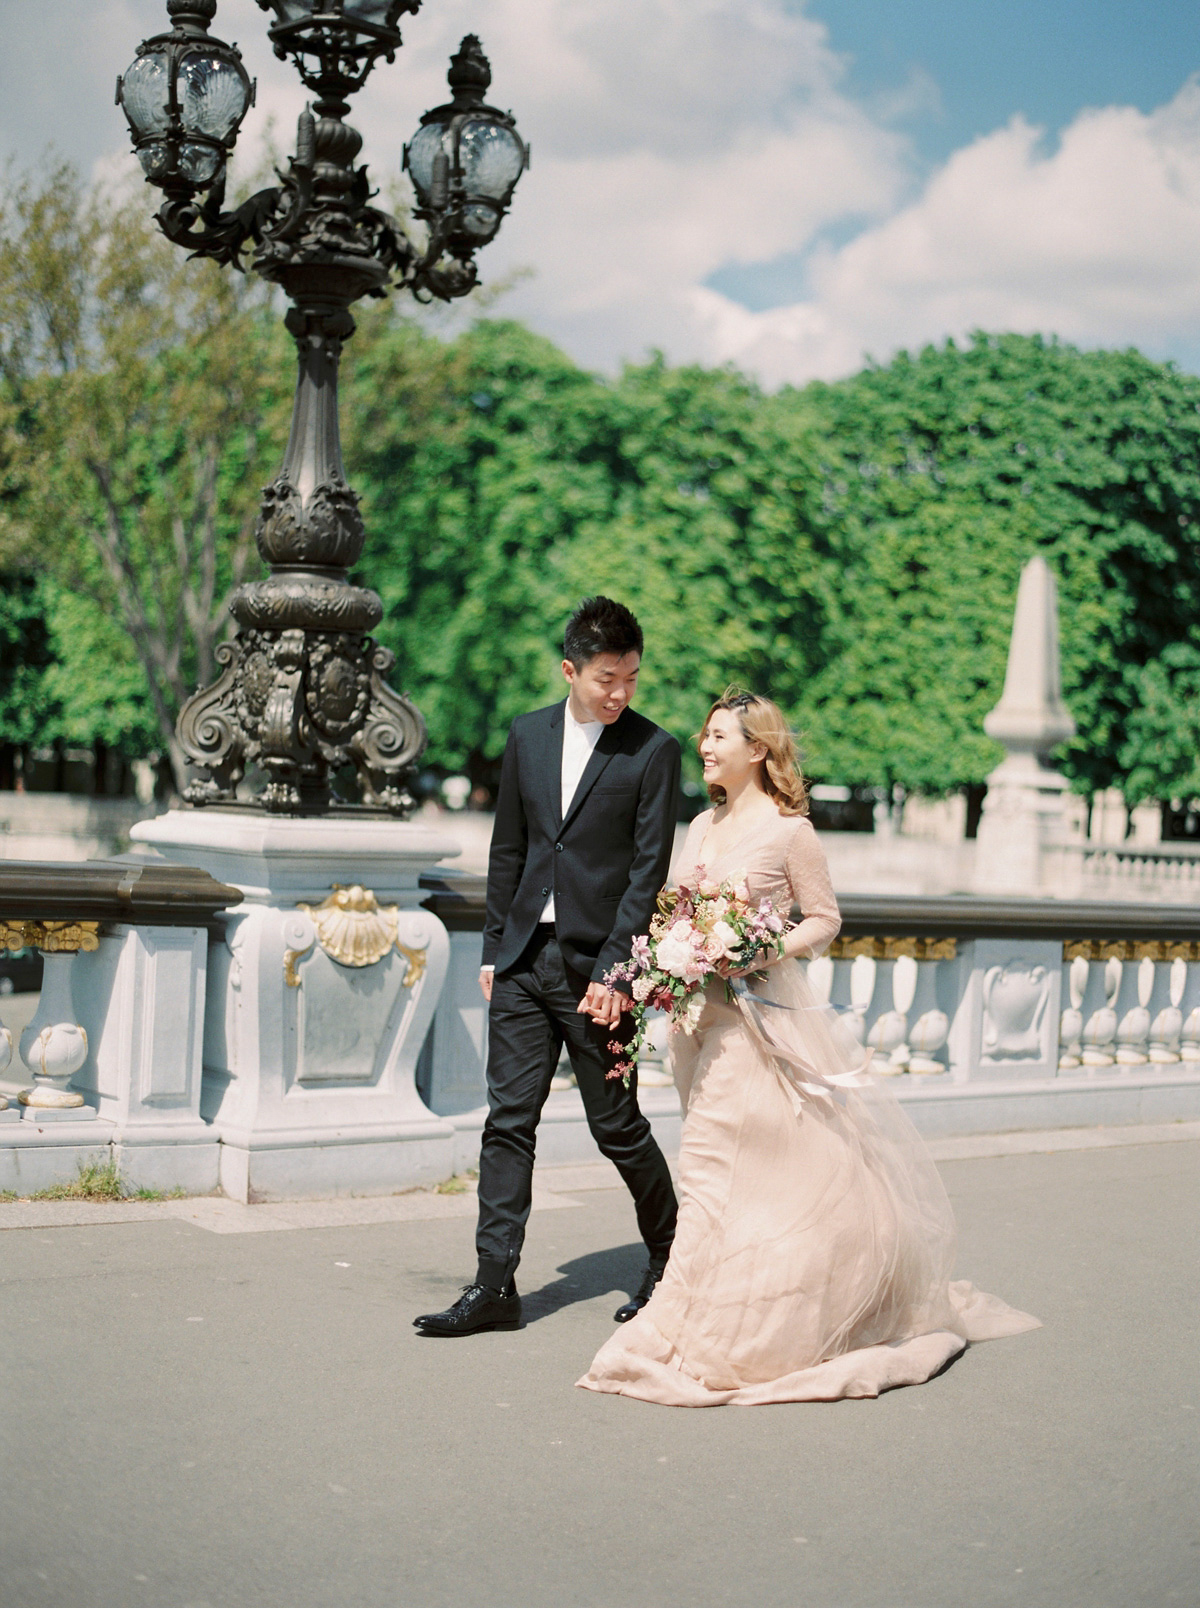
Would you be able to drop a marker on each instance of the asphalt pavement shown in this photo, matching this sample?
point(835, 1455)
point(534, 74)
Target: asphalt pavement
point(194, 1416)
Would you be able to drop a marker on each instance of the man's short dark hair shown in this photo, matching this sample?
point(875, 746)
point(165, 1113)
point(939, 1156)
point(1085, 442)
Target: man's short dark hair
point(598, 626)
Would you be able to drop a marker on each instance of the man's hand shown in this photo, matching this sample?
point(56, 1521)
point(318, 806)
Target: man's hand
point(604, 1005)
point(487, 973)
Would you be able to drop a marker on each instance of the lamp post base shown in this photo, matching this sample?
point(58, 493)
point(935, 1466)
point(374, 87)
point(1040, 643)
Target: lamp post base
point(320, 995)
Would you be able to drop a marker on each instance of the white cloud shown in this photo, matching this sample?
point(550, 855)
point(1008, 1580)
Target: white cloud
point(675, 138)
point(1097, 242)
point(670, 137)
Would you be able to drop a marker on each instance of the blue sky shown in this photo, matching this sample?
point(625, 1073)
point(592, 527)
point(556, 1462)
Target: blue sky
point(785, 184)
point(1045, 58)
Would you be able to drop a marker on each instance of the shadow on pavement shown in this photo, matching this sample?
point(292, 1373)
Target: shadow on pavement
point(619, 1268)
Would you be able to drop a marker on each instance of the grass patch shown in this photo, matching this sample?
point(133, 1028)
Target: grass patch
point(95, 1181)
point(458, 1185)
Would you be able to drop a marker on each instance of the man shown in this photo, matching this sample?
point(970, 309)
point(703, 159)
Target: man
point(585, 820)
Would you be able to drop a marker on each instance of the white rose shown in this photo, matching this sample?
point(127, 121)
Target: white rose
point(724, 935)
point(692, 1012)
point(674, 951)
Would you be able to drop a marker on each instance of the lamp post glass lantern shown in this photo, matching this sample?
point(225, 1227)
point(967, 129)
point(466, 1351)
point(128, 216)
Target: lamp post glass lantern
point(185, 96)
point(304, 692)
point(466, 158)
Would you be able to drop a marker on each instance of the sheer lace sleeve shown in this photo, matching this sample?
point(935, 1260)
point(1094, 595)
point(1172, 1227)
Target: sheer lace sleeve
point(808, 875)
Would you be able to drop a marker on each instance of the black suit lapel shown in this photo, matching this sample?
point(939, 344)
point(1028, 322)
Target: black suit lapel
point(552, 762)
point(608, 744)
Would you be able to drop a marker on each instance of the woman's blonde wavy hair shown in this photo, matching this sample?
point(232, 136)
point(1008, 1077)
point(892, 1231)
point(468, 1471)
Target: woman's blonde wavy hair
point(763, 722)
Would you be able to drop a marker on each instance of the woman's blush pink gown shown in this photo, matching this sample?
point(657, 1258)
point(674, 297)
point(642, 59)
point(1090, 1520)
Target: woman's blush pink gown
point(815, 1241)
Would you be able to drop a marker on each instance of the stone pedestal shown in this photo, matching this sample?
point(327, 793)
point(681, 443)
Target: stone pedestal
point(320, 995)
point(140, 996)
point(1021, 839)
point(1024, 819)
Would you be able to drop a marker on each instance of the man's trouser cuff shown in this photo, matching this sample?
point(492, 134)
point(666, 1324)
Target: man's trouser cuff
point(494, 1274)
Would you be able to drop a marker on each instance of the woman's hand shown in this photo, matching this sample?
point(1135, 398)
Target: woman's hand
point(727, 969)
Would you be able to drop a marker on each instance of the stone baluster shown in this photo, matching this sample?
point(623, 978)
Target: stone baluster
point(54, 1046)
point(6, 1051)
point(1189, 1043)
point(1100, 1030)
point(1189, 1005)
point(1167, 1026)
point(889, 1035)
point(932, 1026)
point(820, 978)
point(1133, 1034)
point(1070, 1034)
point(863, 974)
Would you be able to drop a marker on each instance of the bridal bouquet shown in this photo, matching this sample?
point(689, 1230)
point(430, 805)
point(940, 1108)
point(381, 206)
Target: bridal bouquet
point(698, 933)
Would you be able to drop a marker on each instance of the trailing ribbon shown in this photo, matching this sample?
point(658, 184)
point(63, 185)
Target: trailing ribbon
point(797, 1072)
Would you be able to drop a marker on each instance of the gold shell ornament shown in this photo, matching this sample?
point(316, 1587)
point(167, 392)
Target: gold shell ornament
point(351, 928)
point(355, 930)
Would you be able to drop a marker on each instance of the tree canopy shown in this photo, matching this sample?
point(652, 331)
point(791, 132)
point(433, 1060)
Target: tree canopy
point(142, 401)
point(941, 474)
point(852, 548)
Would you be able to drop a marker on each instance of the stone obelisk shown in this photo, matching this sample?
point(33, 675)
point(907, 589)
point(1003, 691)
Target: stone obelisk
point(1024, 813)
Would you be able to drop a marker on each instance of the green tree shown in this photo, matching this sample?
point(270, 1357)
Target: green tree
point(28, 708)
point(941, 474)
point(503, 483)
point(144, 400)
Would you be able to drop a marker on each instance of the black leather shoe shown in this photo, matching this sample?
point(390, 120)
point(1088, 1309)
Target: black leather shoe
point(645, 1290)
point(477, 1308)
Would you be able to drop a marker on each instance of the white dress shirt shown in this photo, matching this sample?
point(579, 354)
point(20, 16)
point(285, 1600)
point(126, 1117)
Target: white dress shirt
point(579, 739)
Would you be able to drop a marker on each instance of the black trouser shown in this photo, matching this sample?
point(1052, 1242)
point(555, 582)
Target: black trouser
point(534, 1010)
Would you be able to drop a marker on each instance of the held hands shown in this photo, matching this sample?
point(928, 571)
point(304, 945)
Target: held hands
point(604, 1005)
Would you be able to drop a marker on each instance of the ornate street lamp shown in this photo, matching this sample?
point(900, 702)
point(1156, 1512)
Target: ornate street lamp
point(303, 692)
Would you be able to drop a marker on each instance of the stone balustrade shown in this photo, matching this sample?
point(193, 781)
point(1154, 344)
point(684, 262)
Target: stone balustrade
point(1169, 872)
point(265, 1039)
point(114, 1051)
point(990, 1014)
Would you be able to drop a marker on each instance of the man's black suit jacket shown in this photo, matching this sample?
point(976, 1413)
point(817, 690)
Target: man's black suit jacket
point(604, 863)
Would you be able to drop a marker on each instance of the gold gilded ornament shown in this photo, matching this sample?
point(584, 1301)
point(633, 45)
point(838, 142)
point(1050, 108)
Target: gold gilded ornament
point(354, 929)
point(52, 937)
point(416, 963)
point(63, 937)
point(290, 956)
point(891, 948)
point(351, 927)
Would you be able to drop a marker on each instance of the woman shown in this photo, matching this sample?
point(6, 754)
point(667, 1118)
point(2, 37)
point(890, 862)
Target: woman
point(815, 1241)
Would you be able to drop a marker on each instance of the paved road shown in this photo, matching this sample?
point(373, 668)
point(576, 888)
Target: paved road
point(196, 1419)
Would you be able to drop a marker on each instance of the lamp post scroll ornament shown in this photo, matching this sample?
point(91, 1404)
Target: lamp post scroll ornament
point(303, 690)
